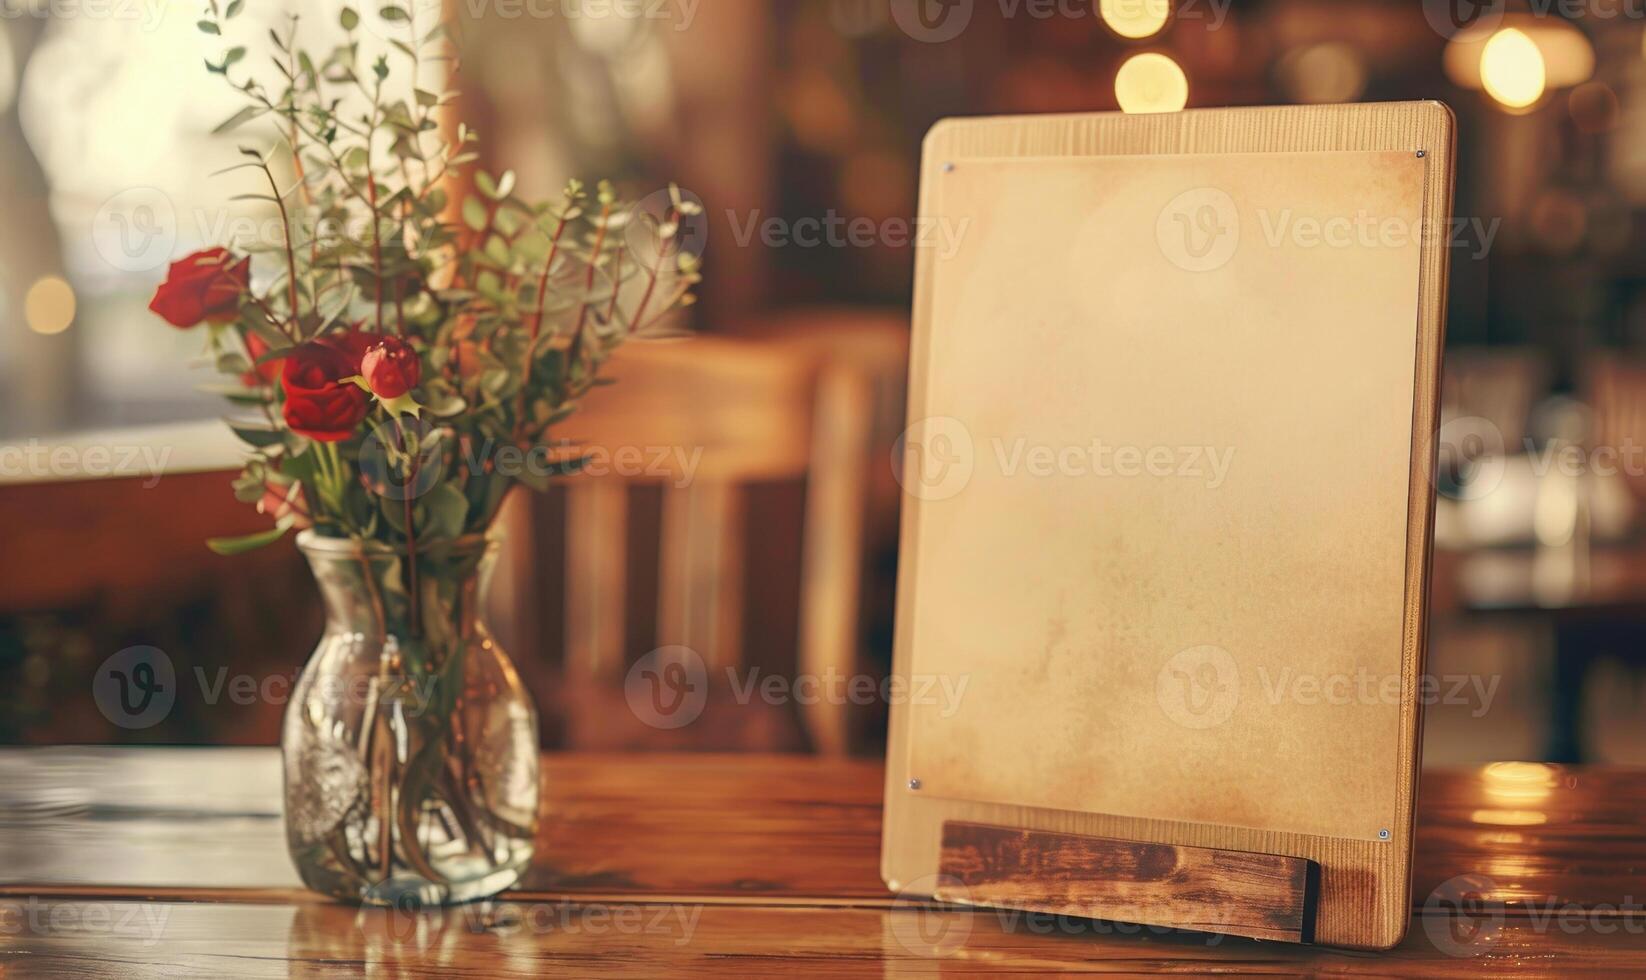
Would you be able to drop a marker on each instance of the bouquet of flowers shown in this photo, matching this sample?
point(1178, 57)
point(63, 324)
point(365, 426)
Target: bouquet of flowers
point(417, 316)
point(403, 352)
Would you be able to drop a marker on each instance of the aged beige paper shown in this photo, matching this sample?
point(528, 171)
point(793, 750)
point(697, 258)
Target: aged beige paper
point(1162, 470)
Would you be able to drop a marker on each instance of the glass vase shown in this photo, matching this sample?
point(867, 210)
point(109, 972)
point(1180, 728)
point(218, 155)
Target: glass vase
point(410, 745)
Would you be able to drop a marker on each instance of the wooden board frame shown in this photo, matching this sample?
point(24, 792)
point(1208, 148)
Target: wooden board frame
point(1364, 886)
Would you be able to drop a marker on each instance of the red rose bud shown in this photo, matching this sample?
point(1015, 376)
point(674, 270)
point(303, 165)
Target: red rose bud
point(392, 368)
point(203, 287)
point(320, 403)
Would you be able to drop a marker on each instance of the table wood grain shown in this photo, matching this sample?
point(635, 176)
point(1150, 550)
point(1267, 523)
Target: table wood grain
point(169, 862)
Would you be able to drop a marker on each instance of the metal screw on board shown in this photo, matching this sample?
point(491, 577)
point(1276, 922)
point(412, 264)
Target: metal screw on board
point(1383, 835)
point(948, 168)
point(1422, 153)
point(914, 784)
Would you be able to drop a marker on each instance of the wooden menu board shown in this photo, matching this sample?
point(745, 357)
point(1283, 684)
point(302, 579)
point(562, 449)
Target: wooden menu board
point(1168, 499)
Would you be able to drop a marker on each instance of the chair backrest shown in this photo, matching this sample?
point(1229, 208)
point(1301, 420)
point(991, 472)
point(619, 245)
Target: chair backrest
point(852, 506)
point(690, 427)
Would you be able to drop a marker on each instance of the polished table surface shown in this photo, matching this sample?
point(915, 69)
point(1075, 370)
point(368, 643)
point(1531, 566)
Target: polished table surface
point(171, 862)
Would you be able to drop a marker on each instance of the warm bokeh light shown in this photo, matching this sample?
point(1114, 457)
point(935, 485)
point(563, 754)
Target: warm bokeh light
point(1135, 18)
point(1509, 818)
point(1512, 69)
point(1568, 57)
point(1151, 82)
point(1518, 783)
point(49, 305)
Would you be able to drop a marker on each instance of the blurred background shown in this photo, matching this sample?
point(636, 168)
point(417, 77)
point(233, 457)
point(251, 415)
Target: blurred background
point(798, 124)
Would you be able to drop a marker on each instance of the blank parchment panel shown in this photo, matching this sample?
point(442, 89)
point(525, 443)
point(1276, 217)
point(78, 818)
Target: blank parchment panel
point(1162, 562)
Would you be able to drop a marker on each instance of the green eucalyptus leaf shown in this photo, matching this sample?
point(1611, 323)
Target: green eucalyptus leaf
point(498, 252)
point(258, 438)
point(394, 512)
point(300, 467)
point(248, 489)
point(446, 511)
point(272, 335)
point(474, 213)
point(238, 394)
point(446, 404)
point(251, 542)
point(240, 118)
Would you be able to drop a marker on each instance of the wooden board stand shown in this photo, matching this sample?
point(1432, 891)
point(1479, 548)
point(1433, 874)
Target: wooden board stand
point(1138, 731)
point(1264, 896)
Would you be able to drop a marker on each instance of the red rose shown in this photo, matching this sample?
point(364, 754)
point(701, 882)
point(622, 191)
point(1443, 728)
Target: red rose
point(352, 343)
point(391, 367)
point(267, 372)
point(205, 286)
point(320, 404)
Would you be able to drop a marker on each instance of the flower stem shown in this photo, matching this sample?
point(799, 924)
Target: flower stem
point(588, 282)
point(537, 325)
point(291, 255)
point(411, 523)
point(376, 249)
point(651, 284)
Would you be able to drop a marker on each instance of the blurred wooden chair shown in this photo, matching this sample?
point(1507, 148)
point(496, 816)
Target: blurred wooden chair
point(1614, 386)
point(679, 444)
point(861, 364)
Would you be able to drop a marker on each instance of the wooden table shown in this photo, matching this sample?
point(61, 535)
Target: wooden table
point(171, 862)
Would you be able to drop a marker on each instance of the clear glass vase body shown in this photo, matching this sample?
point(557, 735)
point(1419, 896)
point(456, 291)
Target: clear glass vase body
point(410, 745)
